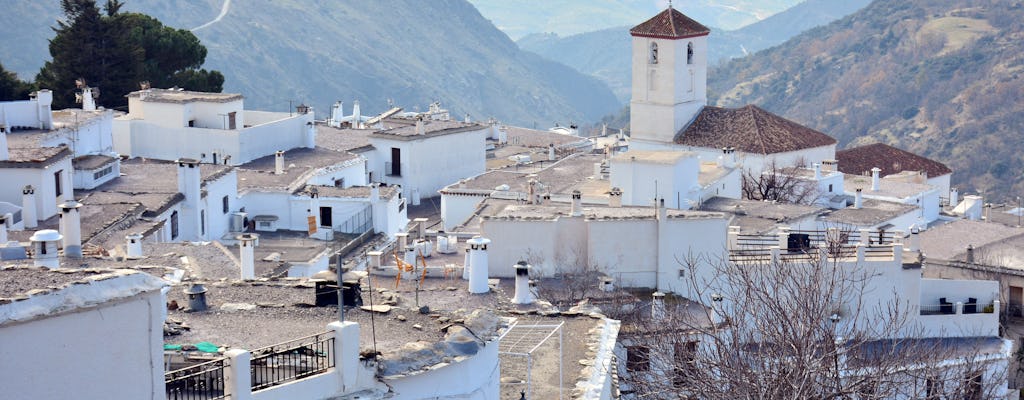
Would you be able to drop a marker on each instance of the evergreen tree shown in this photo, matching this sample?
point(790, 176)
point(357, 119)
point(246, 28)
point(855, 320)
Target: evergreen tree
point(12, 88)
point(115, 51)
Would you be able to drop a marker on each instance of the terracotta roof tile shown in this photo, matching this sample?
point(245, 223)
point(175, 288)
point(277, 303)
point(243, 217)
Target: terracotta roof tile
point(860, 161)
point(749, 129)
point(670, 24)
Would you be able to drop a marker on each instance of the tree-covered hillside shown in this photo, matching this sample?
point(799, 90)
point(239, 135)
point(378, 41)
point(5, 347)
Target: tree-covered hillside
point(943, 78)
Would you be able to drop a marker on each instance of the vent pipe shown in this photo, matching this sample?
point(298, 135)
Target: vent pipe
point(875, 178)
point(523, 295)
point(478, 261)
point(71, 228)
point(134, 245)
point(858, 200)
point(28, 207)
point(44, 248)
point(196, 297)
point(915, 238)
point(246, 248)
point(279, 162)
point(577, 204)
point(357, 119)
point(551, 152)
point(817, 171)
point(954, 197)
point(970, 254)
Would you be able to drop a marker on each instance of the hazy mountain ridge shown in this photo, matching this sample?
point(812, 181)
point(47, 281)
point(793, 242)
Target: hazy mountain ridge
point(605, 53)
point(276, 52)
point(942, 78)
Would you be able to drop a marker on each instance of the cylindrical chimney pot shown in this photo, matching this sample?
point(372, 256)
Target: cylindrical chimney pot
point(523, 295)
point(478, 274)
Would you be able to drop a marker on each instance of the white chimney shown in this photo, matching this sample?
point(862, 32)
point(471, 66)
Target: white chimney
point(875, 179)
point(310, 133)
point(246, 247)
point(523, 295)
point(279, 162)
point(189, 185)
point(954, 197)
point(134, 245)
point(4, 221)
point(658, 311)
point(88, 104)
point(28, 207)
point(551, 152)
point(374, 192)
point(817, 171)
point(607, 284)
point(44, 99)
point(71, 228)
point(44, 248)
point(421, 227)
point(337, 112)
point(577, 204)
point(615, 197)
point(466, 266)
point(730, 158)
point(410, 255)
point(915, 238)
point(4, 152)
point(478, 259)
point(419, 126)
point(357, 119)
point(858, 200)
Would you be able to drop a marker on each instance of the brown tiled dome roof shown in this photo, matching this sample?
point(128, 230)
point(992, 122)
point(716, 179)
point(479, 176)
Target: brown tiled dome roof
point(749, 129)
point(670, 24)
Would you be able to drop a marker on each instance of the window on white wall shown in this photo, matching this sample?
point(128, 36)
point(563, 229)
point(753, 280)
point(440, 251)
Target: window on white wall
point(689, 53)
point(653, 57)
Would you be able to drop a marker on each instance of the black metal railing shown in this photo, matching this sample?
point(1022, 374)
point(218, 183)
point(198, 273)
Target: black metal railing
point(199, 382)
point(292, 360)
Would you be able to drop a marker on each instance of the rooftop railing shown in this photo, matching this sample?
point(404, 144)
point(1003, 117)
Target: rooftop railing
point(802, 246)
point(198, 382)
point(292, 360)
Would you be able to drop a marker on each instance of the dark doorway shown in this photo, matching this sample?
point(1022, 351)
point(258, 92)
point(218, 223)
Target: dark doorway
point(325, 217)
point(396, 162)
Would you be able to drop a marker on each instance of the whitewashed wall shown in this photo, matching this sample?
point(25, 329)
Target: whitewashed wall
point(431, 163)
point(113, 351)
point(15, 179)
point(218, 222)
point(457, 208)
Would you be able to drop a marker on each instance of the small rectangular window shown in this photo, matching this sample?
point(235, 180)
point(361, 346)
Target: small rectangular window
point(225, 205)
point(57, 187)
point(638, 358)
point(174, 225)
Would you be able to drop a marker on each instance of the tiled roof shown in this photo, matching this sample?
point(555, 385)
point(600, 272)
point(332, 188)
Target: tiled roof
point(749, 129)
point(860, 161)
point(670, 24)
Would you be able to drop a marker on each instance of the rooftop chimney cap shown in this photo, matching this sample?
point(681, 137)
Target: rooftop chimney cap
point(69, 205)
point(196, 288)
point(46, 235)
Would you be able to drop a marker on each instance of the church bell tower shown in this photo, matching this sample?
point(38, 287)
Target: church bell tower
point(670, 69)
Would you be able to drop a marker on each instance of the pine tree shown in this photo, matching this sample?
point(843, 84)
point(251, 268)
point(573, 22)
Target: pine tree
point(115, 51)
point(12, 88)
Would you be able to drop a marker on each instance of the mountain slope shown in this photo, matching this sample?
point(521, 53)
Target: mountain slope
point(605, 53)
point(943, 78)
point(411, 51)
point(520, 18)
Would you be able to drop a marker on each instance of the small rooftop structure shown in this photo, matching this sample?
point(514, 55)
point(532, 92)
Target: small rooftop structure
point(428, 129)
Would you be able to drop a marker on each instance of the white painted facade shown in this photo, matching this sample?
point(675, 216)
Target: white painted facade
point(646, 175)
point(669, 87)
point(292, 210)
point(638, 251)
point(88, 179)
point(44, 181)
point(101, 340)
point(204, 130)
point(428, 163)
point(34, 113)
